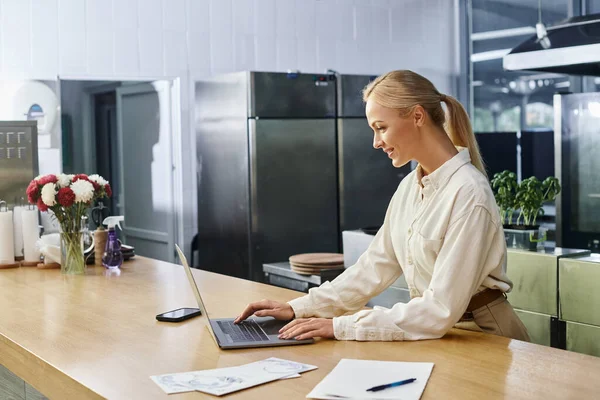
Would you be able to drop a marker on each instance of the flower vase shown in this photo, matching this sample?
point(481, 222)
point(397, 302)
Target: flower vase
point(72, 261)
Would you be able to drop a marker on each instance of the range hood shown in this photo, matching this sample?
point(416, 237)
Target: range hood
point(572, 47)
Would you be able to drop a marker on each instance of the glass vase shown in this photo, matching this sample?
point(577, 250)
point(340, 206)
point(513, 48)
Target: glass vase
point(72, 260)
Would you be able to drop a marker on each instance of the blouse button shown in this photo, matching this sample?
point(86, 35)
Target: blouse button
point(410, 231)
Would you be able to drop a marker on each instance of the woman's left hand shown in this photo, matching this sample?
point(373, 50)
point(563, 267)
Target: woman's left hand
point(304, 328)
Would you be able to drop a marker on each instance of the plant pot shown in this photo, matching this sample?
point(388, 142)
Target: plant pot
point(72, 260)
point(523, 238)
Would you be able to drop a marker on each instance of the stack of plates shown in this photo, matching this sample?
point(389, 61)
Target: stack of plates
point(314, 263)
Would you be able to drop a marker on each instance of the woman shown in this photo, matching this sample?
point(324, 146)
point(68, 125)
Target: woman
point(442, 230)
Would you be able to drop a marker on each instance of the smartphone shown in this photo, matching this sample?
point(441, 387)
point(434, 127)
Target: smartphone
point(181, 314)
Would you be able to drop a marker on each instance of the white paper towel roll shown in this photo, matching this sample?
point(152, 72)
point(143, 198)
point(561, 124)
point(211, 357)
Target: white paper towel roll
point(18, 231)
point(31, 234)
point(7, 246)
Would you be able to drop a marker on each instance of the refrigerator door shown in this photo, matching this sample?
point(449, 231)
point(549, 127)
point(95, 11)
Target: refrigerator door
point(281, 95)
point(293, 189)
point(367, 180)
point(350, 95)
point(222, 175)
point(577, 142)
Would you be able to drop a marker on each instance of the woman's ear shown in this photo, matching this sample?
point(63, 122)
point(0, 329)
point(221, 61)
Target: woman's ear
point(419, 116)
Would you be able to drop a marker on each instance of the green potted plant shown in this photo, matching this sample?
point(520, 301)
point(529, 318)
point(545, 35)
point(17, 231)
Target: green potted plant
point(505, 187)
point(531, 195)
point(528, 197)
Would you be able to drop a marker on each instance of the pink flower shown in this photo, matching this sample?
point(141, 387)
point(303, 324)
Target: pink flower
point(51, 178)
point(66, 197)
point(108, 190)
point(41, 205)
point(82, 177)
point(33, 192)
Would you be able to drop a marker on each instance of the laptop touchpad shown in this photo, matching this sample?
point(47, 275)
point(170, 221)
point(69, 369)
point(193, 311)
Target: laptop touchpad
point(271, 326)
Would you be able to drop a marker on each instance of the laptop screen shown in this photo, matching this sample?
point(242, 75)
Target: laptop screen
point(195, 289)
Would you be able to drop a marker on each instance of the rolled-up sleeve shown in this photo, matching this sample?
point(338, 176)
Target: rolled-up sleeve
point(470, 251)
point(374, 271)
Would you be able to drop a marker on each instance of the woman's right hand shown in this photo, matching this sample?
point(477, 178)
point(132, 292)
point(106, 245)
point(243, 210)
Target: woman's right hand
point(267, 308)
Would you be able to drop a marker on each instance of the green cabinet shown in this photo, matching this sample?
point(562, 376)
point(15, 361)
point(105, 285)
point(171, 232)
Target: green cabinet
point(579, 283)
point(535, 278)
point(583, 338)
point(534, 296)
point(14, 388)
point(11, 386)
point(579, 303)
point(538, 325)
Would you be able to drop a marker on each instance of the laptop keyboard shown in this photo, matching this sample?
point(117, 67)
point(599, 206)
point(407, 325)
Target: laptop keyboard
point(245, 331)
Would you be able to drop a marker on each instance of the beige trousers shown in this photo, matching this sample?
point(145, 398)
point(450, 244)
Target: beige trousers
point(497, 318)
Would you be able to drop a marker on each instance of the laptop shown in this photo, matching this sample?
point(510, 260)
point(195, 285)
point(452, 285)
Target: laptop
point(254, 332)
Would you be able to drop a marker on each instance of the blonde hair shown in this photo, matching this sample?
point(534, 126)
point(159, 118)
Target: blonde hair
point(403, 90)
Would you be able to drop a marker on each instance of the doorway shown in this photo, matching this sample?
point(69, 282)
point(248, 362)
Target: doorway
point(122, 130)
point(106, 143)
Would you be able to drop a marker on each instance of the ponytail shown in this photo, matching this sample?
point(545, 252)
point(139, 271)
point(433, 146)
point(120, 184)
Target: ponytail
point(460, 131)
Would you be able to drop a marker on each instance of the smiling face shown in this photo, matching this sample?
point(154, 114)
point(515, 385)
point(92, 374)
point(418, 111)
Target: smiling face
point(396, 135)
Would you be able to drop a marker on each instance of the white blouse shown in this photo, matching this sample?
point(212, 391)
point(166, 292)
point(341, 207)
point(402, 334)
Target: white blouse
point(443, 231)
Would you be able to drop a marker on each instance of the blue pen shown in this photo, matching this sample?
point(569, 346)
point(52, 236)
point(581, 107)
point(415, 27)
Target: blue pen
point(390, 385)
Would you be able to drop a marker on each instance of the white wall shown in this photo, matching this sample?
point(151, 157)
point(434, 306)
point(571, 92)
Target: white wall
point(137, 39)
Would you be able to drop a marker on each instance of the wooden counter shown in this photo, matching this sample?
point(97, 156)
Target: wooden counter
point(96, 336)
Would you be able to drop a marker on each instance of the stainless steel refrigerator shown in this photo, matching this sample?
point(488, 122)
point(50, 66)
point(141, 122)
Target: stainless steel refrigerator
point(367, 178)
point(577, 145)
point(267, 170)
point(285, 164)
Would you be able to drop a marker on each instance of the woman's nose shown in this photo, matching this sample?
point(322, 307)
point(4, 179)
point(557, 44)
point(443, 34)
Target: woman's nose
point(377, 142)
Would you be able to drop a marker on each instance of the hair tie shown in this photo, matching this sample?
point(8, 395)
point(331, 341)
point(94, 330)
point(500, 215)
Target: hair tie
point(443, 97)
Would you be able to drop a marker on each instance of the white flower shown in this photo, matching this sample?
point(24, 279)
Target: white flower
point(84, 191)
point(49, 194)
point(64, 180)
point(98, 179)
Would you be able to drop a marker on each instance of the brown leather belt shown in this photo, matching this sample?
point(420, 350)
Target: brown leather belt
point(481, 299)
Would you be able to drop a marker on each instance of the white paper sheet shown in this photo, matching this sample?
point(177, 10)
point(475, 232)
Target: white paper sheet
point(350, 379)
point(222, 381)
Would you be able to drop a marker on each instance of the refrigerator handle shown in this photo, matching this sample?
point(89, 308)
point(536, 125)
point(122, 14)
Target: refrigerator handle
point(252, 176)
point(340, 165)
point(558, 138)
